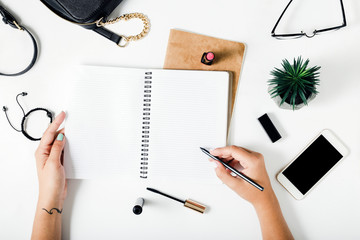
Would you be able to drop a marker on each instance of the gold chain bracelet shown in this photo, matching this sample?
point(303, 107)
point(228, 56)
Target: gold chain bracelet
point(126, 17)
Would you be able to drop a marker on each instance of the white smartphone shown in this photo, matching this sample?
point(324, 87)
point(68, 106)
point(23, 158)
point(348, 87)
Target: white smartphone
point(312, 164)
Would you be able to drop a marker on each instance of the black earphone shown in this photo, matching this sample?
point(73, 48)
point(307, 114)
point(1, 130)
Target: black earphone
point(23, 130)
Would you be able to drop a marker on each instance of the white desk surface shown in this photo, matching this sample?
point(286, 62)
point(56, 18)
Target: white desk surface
point(102, 209)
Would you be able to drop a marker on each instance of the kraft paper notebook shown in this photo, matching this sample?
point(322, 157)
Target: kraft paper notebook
point(145, 123)
point(185, 49)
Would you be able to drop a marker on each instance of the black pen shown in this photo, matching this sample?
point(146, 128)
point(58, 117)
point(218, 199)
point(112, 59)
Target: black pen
point(233, 170)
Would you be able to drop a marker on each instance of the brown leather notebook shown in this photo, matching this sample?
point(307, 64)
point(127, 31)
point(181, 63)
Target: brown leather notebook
point(185, 50)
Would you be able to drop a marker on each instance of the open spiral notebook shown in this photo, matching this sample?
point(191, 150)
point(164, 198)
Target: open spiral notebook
point(147, 123)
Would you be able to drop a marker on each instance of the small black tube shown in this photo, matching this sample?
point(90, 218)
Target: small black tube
point(137, 209)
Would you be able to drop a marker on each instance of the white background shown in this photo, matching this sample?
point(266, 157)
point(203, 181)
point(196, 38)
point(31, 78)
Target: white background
point(102, 208)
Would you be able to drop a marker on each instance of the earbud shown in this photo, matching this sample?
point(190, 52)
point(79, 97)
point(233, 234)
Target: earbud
point(23, 93)
point(5, 109)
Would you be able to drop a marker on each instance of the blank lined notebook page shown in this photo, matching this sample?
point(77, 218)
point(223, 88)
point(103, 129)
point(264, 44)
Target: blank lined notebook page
point(103, 125)
point(189, 109)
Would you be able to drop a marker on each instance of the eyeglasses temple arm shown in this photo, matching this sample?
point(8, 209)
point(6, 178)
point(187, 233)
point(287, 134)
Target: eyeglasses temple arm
point(273, 31)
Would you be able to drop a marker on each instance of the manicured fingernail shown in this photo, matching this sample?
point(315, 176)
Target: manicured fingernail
point(60, 137)
point(216, 164)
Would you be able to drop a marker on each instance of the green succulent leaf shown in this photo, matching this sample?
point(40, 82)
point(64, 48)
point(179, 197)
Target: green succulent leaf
point(295, 81)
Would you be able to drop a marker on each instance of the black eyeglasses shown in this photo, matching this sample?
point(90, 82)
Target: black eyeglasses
point(300, 34)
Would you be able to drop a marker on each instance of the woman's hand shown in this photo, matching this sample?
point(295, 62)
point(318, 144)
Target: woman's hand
point(50, 169)
point(52, 182)
point(250, 164)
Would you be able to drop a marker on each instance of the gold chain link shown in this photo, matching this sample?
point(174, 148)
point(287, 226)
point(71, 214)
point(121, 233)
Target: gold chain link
point(126, 17)
point(100, 23)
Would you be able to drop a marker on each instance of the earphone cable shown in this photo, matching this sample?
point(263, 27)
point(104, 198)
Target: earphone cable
point(10, 122)
point(17, 100)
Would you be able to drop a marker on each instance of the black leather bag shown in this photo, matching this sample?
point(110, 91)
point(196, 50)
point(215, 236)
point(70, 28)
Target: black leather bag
point(86, 13)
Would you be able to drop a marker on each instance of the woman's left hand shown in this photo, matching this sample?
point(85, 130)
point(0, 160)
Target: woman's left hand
point(49, 163)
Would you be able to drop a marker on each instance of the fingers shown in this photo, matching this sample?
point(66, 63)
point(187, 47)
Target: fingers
point(49, 135)
point(227, 159)
point(235, 164)
point(45, 145)
point(244, 156)
point(224, 175)
point(57, 149)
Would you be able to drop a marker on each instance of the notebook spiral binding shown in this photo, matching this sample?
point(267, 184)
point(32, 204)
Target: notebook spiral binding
point(146, 125)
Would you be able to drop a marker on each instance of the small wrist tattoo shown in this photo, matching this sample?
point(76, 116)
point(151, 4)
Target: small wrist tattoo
point(51, 211)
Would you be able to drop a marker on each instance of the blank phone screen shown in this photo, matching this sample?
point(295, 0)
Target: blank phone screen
point(312, 164)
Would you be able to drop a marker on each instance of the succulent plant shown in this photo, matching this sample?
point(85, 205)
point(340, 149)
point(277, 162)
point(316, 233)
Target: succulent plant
point(295, 83)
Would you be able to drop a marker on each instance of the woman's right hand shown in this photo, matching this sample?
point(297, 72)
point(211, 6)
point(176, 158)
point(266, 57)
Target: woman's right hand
point(250, 164)
point(272, 222)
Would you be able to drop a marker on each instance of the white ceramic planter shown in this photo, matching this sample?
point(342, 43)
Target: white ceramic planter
point(287, 106)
